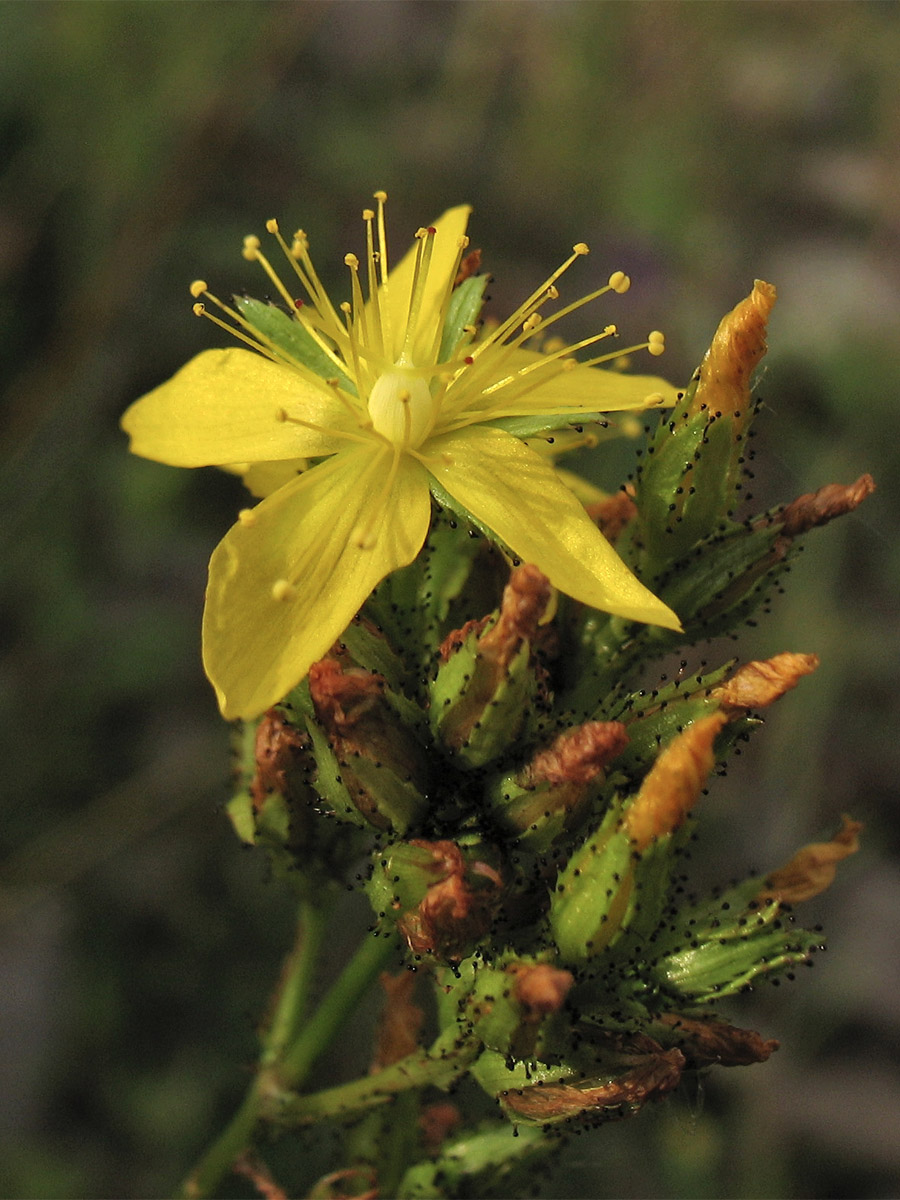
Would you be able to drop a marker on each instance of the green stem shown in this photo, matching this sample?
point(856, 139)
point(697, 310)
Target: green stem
point(299, 1049)
point(296, 981)
point(342, 999)
point(437, 1066)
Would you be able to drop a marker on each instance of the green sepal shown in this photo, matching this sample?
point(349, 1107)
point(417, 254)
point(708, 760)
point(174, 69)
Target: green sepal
point(594, 892)
point(496, 1074)
point(464, 309)
point(474, 724)
point(329, 783)
point(721, 581)
point(411, 606)
point(240, 812)
point(531, 426)
point(496, 1160)
point(718, 947)
point(293, 338)
point(537, 817)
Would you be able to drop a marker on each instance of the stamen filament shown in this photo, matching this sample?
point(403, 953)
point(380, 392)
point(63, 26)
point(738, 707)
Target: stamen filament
point(424, 251)
point(253, 253)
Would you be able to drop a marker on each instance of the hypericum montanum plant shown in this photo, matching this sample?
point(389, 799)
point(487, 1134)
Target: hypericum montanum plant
point(435, 654)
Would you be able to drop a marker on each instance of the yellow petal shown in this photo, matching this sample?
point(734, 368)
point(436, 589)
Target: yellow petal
point(223, 406)
point(450, 226)
point(580, 389)
point(284, 585)
point(516, 493)
point(264, 478)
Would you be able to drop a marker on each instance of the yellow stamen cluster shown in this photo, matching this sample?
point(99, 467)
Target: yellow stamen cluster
point(403, 393)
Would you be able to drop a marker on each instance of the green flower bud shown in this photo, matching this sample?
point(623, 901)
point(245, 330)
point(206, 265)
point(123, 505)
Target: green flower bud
point(553, 794)
point(441, 898)
point(691, 479)
point(485, 683)
point(513, 1005)
point(371, 764)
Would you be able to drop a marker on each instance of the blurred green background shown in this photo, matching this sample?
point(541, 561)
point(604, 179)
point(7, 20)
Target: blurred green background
point(694, 145)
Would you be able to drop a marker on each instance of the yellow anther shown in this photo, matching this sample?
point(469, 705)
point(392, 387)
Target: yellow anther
point(247, 517)
point(198, 287)
point(463, 242)
point(272, 225)
point(351, 261)
point(346, 307)
point(251, 247)
point(552, 292)
point(379, 196)
point(581, 248)
point(656, 343)
point(532, 322)
point(619, 282)
point(198, 309)
point(283, 589)
point(651, 401)
point(421, 232)
point(610, 331)
point(368, 214)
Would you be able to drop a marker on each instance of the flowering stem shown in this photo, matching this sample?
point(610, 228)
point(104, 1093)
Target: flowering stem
point(437, 1066)
point(289, 1048)
point(293, 996)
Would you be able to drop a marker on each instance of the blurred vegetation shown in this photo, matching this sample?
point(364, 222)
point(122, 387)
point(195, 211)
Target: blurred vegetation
point(695, 145)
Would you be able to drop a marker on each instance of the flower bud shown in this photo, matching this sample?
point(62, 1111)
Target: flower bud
point(553, 794)
point(691, 479)
point(486, 683)
point(441, 899)
point(511, 1004)
point(369, 755)
point(618, 879)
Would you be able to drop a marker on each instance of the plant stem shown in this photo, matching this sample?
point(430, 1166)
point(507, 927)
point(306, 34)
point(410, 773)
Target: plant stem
point(289, 1051)
point(341, 1000)
point(437, 1066)
point(296, 981)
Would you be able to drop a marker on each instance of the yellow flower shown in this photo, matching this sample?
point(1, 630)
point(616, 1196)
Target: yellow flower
point(387, 411)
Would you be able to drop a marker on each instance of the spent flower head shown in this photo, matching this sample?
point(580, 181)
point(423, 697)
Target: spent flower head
point(345, 418)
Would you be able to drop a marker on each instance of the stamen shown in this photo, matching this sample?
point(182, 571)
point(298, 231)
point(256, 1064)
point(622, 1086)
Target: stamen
point(381, 197)
point(503, 329)
point(619, 282)
point(253, 253)
point(284, 417)
point(374, 298)
point(656, 343)
point(424, 251)
point(247, 518)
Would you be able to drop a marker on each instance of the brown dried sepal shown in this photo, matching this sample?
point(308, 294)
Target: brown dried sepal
point(674, 783)
point(813, 868)
point(437, 1122)
point(760, 683)
point(705, 1041)
point(552, 1102)
point(278, 752)
point(579, 755)
point(457, 909)
point(734, 353)
point(540, 989)
point(401, 1020)
point(613, 514)
point(817, 508)
point(351, 1183)
point(260, 1176)
point(525, 600)
point(351, 708)
point(469, 266)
